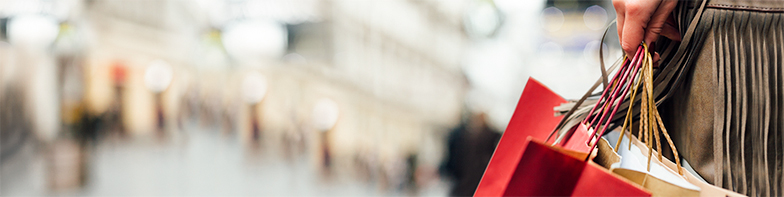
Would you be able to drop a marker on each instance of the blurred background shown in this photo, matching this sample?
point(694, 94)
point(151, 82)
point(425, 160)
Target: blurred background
point(276, 97)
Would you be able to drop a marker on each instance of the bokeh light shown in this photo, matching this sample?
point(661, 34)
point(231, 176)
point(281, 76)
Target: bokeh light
point(595, 17)
point(552, 19)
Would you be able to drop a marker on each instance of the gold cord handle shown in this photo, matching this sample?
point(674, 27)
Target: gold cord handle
point(650, 120)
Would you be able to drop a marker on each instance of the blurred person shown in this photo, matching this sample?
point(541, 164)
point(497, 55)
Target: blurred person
point(326, 153)
point(114, 116)
point(470, 147)
point(158, 77)
point(160, 118)
point(66, 163)
point(412, 165)
point(366, 164)
point(255, 131)
point(325, 115)
point(192, 106)
point(15, 125)
point(725, 117)
point(393, 173)
point(188, 106)
point(294, 139)
point(228, 113)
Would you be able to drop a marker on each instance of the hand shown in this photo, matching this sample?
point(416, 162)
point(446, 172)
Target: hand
point(644, 20)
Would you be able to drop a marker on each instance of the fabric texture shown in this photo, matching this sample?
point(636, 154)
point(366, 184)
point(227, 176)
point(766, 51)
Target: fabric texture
point(726, 114)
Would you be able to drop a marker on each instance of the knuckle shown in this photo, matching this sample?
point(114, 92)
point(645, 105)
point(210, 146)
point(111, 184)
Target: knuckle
point(637, 7)
point(633, 9)
point(618, 3)
point(655, 30)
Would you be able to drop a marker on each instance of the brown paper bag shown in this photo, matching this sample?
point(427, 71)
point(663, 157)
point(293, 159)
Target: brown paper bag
point(607, 158)
point(706, 189)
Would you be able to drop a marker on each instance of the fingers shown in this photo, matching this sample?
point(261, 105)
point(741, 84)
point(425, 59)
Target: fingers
point(637, 15)
point(670, 30)
point(657, 25)
point(656, 58)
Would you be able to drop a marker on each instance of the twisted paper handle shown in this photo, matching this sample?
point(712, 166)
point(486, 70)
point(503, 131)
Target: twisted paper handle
point(650, 120)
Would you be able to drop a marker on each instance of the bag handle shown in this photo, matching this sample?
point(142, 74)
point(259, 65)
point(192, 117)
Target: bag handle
point(650, 119)
point(635, 73)
point(669, 74)
point(612, 100)
point(602, 80)
point(664, 75)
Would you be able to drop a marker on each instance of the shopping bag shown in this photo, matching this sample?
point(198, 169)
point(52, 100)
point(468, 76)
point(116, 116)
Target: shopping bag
point(532, 117)
point(630, 164)
point(546, 170)
point(525, 165)
point(706, 189)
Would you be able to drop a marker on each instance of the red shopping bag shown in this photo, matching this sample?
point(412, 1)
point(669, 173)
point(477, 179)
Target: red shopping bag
point(523, 165)
point(546, 170)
